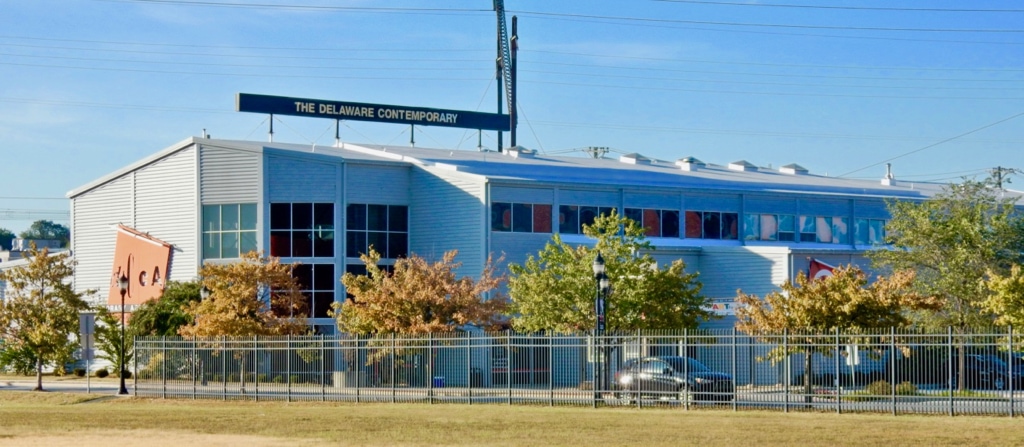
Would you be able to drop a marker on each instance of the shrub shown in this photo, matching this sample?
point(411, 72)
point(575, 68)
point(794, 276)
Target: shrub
point(295, 379)
point(879, 388)
point(906, 389)
point(102, 372)
point(278, 378)
point(126, 374)
point(79, 372)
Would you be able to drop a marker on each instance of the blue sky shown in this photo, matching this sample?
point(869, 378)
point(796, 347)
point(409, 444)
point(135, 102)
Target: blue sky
point(840, 87)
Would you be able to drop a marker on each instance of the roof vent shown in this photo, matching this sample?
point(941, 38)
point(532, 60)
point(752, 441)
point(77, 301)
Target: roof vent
point(793, 169)
point(889, 179)
point(689, 164)
point(520, 152)
point(742, 165)
point(634, 159)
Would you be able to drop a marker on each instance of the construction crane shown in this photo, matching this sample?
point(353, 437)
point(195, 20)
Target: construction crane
point(506, 69)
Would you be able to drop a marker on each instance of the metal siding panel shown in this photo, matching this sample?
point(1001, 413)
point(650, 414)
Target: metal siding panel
point(770, 205)
point(867, 208)
point(382, 185)
point(165, 207)
point(669, 201)
point(296, 180)
point(445, 214)
point(522, 195)
point(518, 246)
point(713, 202)
point(589, 198)
point(229, 176)
point(824, 207)
point(723, 272)
point(96, 213)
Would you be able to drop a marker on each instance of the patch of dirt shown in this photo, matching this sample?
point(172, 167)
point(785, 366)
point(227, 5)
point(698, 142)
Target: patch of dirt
point(149, 438)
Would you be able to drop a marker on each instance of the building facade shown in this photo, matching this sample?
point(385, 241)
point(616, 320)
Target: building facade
point(738, 225)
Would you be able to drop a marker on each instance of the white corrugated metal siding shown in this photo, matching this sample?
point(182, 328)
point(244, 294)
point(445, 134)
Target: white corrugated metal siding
point(166, 208)
point(292, 179)
point(229, 175)
point(95, 215)
point(445, 214)
point(380, 185)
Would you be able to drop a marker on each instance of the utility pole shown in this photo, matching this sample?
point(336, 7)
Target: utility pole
point(998, 174)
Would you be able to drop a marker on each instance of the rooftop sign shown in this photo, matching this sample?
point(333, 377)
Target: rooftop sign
point(381, 113)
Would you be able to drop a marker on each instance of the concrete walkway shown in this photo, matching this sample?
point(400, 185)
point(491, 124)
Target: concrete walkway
point(64, 384)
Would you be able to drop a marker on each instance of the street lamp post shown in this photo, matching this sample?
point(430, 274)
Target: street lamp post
point(122, 283)
point(601, 280)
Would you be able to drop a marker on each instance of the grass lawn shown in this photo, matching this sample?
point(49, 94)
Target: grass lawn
point(45, 418)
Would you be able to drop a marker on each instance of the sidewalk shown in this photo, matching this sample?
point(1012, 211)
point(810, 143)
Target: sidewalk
point(64, 384)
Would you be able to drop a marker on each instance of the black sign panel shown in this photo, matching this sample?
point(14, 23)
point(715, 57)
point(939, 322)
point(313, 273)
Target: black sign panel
point(382, 113)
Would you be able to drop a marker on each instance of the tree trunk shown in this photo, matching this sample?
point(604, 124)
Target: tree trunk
point(39, 374)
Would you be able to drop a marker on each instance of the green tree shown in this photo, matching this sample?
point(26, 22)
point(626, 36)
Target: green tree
point(166, 314)
point(953, 241)
point(812, 307)
point(254, 296)
point(6, 238)
point(555, 290)
point(1006, 300)
point(45, 229)
point(39, 316)
point(417, 297)
point(108, 340)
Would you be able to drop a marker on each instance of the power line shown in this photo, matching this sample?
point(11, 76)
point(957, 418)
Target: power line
point(767, 25)
point(936, 143)
point(300, 7)
point(852, 8)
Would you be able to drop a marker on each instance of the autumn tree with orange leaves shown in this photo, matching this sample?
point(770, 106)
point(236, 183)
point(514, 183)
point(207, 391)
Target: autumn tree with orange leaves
point(843, 301)
point(418, 297)
point(255, 296)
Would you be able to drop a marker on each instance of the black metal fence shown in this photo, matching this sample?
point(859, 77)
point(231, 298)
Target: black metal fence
point(886, 371)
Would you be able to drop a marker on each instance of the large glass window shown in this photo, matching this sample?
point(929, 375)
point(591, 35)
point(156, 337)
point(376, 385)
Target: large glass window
point(711, 225)
point(383, 227)
point(228, 230)
point(824, 229)
point(521, 217)
point(572, 218)
point(302, 230)
point(317, 282)
point(869, 231)
point(768, 227)
point(656, 223)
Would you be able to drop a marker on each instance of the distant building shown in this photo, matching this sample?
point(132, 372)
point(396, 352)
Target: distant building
point(739, 225)
point(20, 247)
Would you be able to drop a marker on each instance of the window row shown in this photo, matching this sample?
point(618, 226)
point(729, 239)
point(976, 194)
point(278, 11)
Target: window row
point(520, 217)
point(823, 229)
point(656, 223)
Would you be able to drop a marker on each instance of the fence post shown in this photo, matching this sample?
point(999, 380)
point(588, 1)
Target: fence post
point(430, 367)
point(734, 368)
point(323, 369)
point(949, 363)
point(892, 366)
point(836, 377)
point(224, 364)
point(551, 369)
point(255, 365)
point(1010, 372)
point(135, 377)
point(195, 368)
point(686, 371)
point(287, 365)
point(163, 366)
point(508, 364)
point(392, 366)
point(469, 368)
point(786, 369)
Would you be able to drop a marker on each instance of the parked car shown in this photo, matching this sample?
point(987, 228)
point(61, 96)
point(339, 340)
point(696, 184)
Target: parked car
point(672, 377)
point(986, 371)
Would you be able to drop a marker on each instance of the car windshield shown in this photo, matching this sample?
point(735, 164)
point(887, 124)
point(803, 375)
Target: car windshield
point(691, 366)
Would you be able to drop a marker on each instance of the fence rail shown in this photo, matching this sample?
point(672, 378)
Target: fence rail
point(886, 371)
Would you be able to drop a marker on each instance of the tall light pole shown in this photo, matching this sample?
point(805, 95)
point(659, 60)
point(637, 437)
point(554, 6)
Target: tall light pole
point(122, 282)
point(601, 280)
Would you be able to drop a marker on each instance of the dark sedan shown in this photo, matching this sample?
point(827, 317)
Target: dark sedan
point(672, 377)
